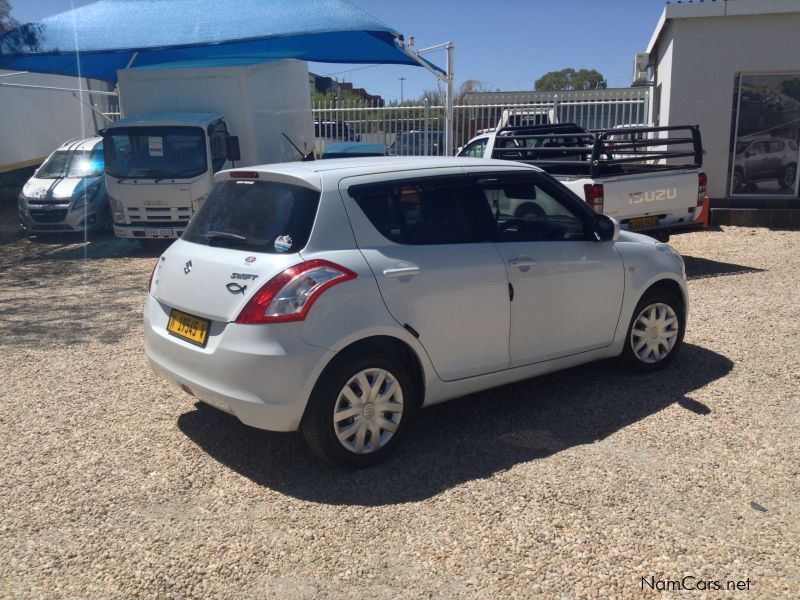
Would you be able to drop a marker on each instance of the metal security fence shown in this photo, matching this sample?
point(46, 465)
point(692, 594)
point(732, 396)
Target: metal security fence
point(419, 129)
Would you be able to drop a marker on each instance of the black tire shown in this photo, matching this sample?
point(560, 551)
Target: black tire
point(317, 426)
point(738, 181)
point(629, 356)
point(787, 177)
point(661, 236)
point(529, 211)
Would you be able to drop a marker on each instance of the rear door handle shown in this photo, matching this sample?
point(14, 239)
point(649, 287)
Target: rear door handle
point(401, 272)
point(522, 262)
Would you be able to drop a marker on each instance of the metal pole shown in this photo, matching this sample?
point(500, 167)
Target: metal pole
point(402, 79)
point(448, 135)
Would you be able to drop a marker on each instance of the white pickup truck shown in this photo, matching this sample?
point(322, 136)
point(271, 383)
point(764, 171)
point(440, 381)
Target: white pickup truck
point(648, 178)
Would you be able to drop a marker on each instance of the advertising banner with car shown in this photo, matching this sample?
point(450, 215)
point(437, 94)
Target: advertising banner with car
point(767, 125)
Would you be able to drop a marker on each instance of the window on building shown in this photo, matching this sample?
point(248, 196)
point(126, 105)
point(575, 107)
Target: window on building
point(766, 123)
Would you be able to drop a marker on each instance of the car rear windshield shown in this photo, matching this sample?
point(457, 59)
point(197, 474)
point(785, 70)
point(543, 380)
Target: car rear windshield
point(262, 216)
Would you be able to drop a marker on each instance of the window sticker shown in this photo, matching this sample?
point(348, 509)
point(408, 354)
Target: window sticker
point(283, 243)
point(155, 145)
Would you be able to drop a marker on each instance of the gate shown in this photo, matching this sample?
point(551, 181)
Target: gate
point(423, 125)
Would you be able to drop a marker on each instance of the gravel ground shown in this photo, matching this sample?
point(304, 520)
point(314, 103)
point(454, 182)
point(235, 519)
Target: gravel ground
point(577, 484)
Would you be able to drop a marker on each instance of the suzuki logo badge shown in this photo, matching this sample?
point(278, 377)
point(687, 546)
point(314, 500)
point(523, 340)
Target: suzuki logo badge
point(187, 267)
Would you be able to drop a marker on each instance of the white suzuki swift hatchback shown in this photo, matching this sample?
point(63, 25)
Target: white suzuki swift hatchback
point(337, 297)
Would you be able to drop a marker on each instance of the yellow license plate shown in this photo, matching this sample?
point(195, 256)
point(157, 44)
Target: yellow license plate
point(188, 327)
point(643, 222)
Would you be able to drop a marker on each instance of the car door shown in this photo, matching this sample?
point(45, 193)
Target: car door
point(775, 159)
point(437, 270)
point(757, 160)
point(568, 287)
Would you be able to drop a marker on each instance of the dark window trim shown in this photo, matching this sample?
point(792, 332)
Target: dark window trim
point(371, 189)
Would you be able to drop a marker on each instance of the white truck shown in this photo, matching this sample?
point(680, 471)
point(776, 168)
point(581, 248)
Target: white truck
point(648, 178)
point(182, 125)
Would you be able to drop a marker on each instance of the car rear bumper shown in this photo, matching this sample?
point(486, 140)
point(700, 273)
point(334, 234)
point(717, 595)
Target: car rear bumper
point(262, 374)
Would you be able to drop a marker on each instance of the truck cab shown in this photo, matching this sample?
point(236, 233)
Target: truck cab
point(160, 167)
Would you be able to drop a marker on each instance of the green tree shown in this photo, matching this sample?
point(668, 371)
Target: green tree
point(589, 79)
point(344, 99)
point(570, 79)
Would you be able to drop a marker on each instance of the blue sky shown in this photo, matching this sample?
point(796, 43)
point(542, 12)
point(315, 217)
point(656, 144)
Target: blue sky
point(507, 44)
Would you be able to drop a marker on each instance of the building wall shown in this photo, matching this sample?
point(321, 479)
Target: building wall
point(699, 73)
point(36, 121)
point(660, 96)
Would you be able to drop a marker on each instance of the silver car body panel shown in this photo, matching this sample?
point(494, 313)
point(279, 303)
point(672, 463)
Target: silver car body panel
point(265, 373)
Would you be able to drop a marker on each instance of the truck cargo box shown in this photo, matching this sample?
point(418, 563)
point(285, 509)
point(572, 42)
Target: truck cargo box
point(259, 102)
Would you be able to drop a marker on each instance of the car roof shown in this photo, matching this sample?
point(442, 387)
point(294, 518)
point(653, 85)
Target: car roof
point(198, 119)
point(335, 169)
point(81, 144)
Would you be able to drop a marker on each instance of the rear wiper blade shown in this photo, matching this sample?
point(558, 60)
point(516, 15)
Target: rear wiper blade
point(226, 235)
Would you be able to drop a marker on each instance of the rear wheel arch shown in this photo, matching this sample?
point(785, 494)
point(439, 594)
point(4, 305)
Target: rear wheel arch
point(384, 345)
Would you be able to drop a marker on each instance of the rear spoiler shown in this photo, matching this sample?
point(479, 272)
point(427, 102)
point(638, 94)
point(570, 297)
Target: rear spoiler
point(572, 150)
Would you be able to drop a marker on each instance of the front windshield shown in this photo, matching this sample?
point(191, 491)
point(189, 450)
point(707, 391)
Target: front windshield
point(156, 152)
point(73, 163)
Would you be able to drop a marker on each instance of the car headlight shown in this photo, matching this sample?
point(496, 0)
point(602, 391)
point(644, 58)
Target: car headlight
point(86, 195)
point(198, 202)
point(667, 249)
point(117, 214)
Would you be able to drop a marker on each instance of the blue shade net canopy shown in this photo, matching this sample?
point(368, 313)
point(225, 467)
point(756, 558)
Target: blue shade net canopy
point(97, 39)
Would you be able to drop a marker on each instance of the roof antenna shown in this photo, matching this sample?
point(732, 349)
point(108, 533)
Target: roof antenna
point(303, 156)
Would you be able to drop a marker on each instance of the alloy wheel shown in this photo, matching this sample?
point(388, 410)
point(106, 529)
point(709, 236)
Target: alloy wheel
point(788, 177)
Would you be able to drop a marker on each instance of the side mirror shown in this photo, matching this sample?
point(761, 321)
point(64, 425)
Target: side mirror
point(232, 148)
point(606, 228)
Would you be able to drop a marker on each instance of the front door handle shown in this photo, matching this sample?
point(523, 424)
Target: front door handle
point(401, 272)
point(522, 262)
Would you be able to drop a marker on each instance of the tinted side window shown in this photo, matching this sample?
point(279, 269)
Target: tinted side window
point(420, 213)
point(525, 211)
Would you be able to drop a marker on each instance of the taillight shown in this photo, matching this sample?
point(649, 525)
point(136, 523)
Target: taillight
point(152, 273)
point(594, 196)
point(702, 182)
point(289, 295)
point(244, 174)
